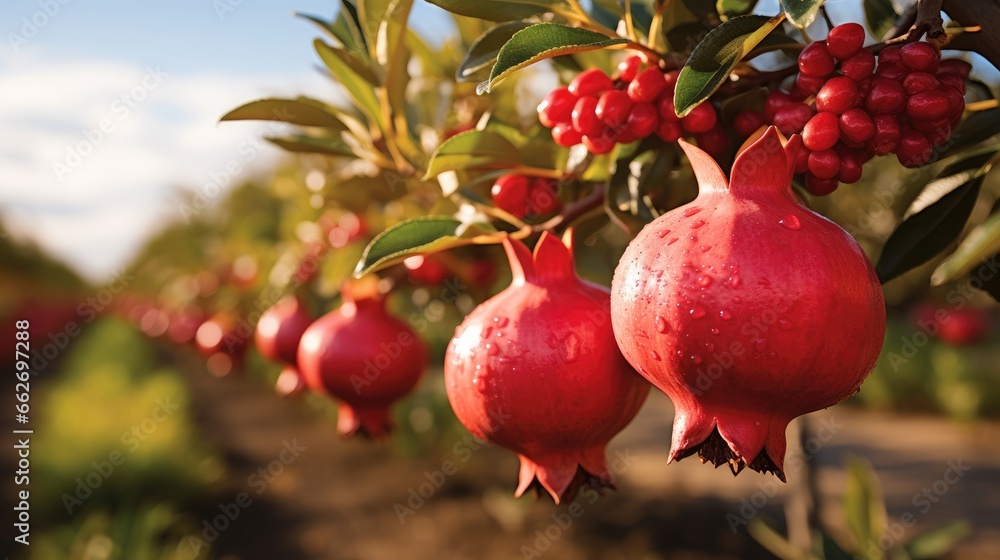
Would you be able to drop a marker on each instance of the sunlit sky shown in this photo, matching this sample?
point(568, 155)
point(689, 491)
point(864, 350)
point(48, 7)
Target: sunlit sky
point(156, 75)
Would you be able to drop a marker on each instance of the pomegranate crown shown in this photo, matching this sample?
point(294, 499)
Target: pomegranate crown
point(764, 164)
point(552, 260)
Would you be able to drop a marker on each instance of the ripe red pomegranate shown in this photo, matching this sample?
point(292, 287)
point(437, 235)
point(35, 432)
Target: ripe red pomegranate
point(363, 357)
point(220, 344)
point(535, 369)
point(747, 309)
point(277, 337)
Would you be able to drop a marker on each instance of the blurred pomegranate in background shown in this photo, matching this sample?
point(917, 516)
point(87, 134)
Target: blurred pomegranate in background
point(223, 349)
point(277, 338)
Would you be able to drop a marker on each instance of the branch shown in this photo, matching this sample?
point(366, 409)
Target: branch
point(976, 12)
point(573, 211)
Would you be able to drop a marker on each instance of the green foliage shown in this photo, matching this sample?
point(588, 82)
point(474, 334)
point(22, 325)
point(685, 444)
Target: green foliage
point(426, 234)
point(473, 149)
point(881, 16)
point(801, 12)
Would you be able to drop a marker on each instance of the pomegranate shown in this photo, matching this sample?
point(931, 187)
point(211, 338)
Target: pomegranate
point(535, 369)
point(218, 341)
point(746, 309)
point(363, 357)
point(277, 337)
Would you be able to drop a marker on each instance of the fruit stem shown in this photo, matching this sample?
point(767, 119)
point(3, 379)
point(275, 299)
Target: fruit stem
point(826, 18)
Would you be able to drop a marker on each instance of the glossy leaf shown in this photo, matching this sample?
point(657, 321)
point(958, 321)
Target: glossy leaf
point(472, 149)
point(881, 16)
point(733, 8)
point(973, 129)
point(332, 146)
point(483, 53)
point(542, 41)
point(302, 111)
point(496, 10)
point(981, 242)
point(420, 235)
point(715, 57)
point(357, 87)
point(627, 200)
point(801, 12)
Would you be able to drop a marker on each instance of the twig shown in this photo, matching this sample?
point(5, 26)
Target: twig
point(826, 17)
point(573, 211)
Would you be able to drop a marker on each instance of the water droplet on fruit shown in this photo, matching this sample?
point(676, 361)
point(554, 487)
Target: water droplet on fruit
point(662, 325)
point(687, 264)
point(693, 238)
point(709, 347)
point(759, 344)
point(737, 299)
point(790, 221)
point(697, 312)
point(786, 324)
point(487, 331)
point(500, 321)
point(705, 249)
point(714, 330)
point(672, 241)
point(704, 281)
point(697, 224)
point(572, 348)
point(696, 358)
point(642, 334)
point(654, 355)
point(663, 233)
point(725, 315)
point(688, 212)
point(492, 349)
point(734, 281)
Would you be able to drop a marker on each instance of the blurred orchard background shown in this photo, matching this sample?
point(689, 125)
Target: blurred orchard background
point(128, 215)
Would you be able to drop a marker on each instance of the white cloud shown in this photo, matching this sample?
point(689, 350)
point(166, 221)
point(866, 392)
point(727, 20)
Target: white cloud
point(102, 209)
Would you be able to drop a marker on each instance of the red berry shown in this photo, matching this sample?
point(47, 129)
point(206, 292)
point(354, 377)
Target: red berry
point(856, 125)
point(775, 100)
point(952, 80)
point(892, 71)
point(647, 86)
point(669, 131)
point(821, 132)
point(844, 40)
point(824, 164)
point(510, 193)
point(938, 132)
point(700, 119)
point(920, 56)
point(625, 136)
point(927, 105)
point(859, 66)
point(590, 82)
point(628, 68)
point(715, 141)
point(914, 149)
point(670, 78)
point(955, 66)
point(820, 187)
point(643, 120)
point(887, 97)
point(815, 60)
point(810, 85)
point(886, 137)
point(956, 101)
point(665, 107)
point(916, 82)
point(850, 166)
point(865, 87)
point(613, 107)
point(585, 117)
point(889, 54)
point(792, 118)
point(542, 198)
point(837, 95)
point(557, 107)
point(565, 135)
point(748, 122)
point(600, 143)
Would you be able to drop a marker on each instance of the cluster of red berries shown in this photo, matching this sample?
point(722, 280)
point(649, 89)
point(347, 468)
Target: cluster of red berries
point(903, 101)
point(599, 111)
point(526, 197)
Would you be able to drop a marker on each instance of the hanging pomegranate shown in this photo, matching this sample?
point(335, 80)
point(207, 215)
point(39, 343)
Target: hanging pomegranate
point(747, 309)
point(277, 338)
point(219, 341)
point(363, 357)
point(535, 369)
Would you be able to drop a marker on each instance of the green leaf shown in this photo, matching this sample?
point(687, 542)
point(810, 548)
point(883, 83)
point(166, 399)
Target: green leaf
point(975, 128)
point(686, 36)
point(702, 9)
point(541, 41)
point(772, 540)
point(332, 146)
point(357, 87)
point(733, 8)
point(863, 506)
point(930, 230)
point(494, 10)
point(715, 57)
point(302, 111)
point(426, 234)
point(881, 16)
point(937, 543)
point(628, 200)
point(360, 66)
point(483, 53)
point(475, 148)
point(981, 242)
point(801, 12)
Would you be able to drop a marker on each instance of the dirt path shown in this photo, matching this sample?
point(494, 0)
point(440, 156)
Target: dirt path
point(338, 499)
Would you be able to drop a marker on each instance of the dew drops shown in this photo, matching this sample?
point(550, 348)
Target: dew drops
point(696, 358)
point(704, 281)
point(672, 241)
point(487, 331)
point(663, 233)
point(725, 315)
point(734, 281)
point(714, 330)
point(705, 248)
point(500, 321)
point(687, 264)
point(709, 347)
point(688, 212)
point(790, 221)
point(492, 349)
point(572, 348)
point(786, 324)
point(680, 353)
point(693, 238)
point(653, 354)
point(642, 334)
point(661, 324)
point(737, 299)
point(759, 344)
point(697, 312)
point(697, 224)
